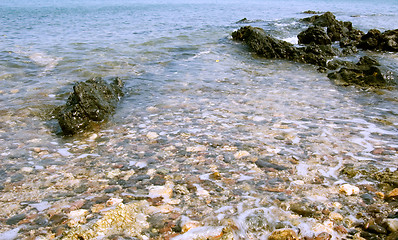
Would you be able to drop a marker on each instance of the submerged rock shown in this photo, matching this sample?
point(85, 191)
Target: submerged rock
point(283, 234)
point(91, 101)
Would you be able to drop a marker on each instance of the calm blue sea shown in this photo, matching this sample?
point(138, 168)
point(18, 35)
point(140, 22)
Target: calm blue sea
point(196, 102)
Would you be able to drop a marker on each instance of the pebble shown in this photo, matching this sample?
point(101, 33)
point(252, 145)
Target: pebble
point(375, 228)
point(165, 191)
point(27, 169)
point(323, 236)
point(348, 189)
point(393, 193)
point(76, 217)
point(114, 201)
point(152, 135)
point(241, 154)
point(392, 224)
point(207, 232)
point(284, 234)
point(16, 219)
point(334, 216)
point(114, 173)
point(199, 148)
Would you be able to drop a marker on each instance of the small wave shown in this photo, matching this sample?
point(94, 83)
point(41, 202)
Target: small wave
point(47, 62)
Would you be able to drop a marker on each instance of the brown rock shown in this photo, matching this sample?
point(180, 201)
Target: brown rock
point(393, 193)
point(283, 234)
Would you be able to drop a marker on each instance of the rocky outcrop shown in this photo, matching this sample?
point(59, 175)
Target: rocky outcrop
point(91, 101)
point(336, 30)
point(265, 45)
point(269, 47)
point(365, 73)
point(318, 50)
point(375, 40)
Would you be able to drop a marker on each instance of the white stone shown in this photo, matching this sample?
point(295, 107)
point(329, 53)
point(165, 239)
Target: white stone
point(199, 148)
point(241, 154)
point(335, 216)
point(114, 201)
point(77, 216)
point(152, 135)
point(114, 173)
point(348, 189)
point(27, 169)
point(165, 191)
point(93, 137)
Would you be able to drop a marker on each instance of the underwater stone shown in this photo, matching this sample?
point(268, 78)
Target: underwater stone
point(283, 234)
point(348, 189)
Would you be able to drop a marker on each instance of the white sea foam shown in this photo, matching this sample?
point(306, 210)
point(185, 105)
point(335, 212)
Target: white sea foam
point(292, 40)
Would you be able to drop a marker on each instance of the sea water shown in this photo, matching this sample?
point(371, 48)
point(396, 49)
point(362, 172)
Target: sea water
point(207, 98)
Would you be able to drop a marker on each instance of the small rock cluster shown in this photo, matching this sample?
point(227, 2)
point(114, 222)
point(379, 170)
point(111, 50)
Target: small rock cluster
point(318, 49)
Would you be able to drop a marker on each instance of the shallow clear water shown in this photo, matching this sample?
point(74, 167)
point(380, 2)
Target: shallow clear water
point(206, 97)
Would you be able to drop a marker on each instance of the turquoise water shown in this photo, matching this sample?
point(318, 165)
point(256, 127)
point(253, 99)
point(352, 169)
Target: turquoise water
point(189, 83)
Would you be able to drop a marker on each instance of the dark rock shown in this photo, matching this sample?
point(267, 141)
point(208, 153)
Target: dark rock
point(17, 177)
point(367, 198)
point(265, 45)
point(314, 34)
point(302, 209)
point(16, 219)
point(389, 41)
point(58, 218)
point(81, 189)
point(375, 228)
point(371, 40)
point(363, 74)
point(138, 178)
point(91, 101)
point(243, 20)
point(375, 40)
point(158, 180)
point(325, 20)
point(265, 164)
point(311, 12)
point(337, 30)
point(41, 220)
point(336, 64)
point(318, 54)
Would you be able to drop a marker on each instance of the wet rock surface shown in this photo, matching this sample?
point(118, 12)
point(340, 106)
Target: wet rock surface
point(91, 101)
point(318, 49)
point(365, 73)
